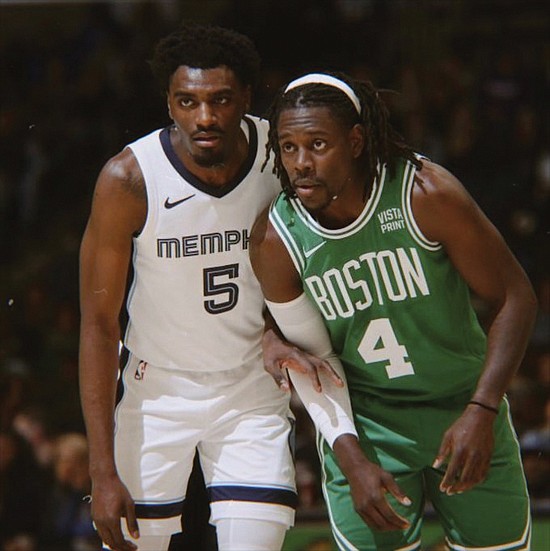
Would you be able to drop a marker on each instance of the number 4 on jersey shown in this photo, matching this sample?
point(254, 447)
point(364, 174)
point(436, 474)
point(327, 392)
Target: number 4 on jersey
point(389, 349)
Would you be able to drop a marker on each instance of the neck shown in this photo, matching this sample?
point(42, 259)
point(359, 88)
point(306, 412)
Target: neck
point(346, 207)
point(220, 174)
point(334, 218)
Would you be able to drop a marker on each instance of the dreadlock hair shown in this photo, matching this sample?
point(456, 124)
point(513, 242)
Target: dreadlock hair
point(383, 145)
point(205, 47)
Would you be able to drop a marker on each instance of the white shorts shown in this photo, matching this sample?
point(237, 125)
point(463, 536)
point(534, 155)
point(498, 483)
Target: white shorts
point(239, 421)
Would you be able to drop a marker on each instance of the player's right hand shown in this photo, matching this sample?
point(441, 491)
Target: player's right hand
point(312, 366)
point(280, 355)
point(368, 492)
point(369, 486)
point(111, 502)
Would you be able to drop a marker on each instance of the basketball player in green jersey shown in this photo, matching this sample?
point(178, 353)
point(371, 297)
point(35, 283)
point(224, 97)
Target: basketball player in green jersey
point(383, 248)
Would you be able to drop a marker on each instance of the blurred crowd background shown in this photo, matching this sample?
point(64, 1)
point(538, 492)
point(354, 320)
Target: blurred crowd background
point(471, 82)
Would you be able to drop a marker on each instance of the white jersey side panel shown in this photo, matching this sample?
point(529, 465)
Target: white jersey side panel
point(195, 303)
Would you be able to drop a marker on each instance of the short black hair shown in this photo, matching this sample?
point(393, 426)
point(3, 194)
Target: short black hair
point(382, 143)
point(206, 47)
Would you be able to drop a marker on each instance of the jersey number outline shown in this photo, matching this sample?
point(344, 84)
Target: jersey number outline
point(213, 288)
point(381, 331)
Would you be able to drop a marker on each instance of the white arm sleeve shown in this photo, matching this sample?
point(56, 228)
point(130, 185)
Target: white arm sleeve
point(302, 325)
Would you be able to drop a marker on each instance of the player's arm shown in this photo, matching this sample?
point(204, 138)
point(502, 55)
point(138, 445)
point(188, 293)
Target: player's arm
point(118, 211)
point(446, 213)
point(330, 410)
point(300, 324)
point(281, 355)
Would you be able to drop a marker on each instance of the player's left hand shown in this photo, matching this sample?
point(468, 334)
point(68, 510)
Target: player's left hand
point(280, 355)
point(467, 446)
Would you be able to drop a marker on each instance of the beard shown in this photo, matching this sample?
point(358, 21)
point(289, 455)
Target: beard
point(209, 159)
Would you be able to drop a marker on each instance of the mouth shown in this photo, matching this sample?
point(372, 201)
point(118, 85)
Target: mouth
point(305, 187)
point(304, 183)
point(207, 139)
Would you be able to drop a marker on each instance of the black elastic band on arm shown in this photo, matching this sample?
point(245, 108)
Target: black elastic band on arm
point(484, 406)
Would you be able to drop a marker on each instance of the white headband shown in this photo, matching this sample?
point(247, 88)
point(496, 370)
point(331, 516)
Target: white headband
point(319, 78)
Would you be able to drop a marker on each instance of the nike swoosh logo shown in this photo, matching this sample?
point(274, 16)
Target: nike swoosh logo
point(307, 254)
point(171, 205)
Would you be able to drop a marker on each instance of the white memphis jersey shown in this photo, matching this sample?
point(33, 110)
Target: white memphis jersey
point(195, 303)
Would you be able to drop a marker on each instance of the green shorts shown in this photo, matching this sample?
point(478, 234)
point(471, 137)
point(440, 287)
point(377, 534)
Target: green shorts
point(404, 439)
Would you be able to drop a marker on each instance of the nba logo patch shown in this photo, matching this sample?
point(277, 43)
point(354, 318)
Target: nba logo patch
point(140, 371)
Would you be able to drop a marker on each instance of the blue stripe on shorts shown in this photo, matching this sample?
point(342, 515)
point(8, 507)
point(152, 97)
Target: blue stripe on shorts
point(276, 496)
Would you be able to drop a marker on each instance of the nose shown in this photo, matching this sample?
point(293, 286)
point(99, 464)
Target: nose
point(303, 162)
point(205, 115)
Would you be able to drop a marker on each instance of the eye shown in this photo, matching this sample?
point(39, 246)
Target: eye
point(223, 100)
point(186, 102)
point(319, 145)
point(287, 147)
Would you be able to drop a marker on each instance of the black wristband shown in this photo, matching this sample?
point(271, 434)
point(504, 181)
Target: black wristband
point(484, 406)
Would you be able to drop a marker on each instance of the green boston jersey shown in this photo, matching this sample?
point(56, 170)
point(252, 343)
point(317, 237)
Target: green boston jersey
point(398, 312)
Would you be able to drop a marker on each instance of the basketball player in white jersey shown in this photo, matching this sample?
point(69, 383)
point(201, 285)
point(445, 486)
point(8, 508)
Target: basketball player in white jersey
point(179, 205)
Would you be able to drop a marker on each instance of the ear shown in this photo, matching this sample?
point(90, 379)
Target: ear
point(168, 105)
point(357, 140)
point(247, 98)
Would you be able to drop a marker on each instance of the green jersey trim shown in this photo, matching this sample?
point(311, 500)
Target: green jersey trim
point(291, 246)
point(341, 541)
point(355, 226)
point(297, 255)
point(412, 226)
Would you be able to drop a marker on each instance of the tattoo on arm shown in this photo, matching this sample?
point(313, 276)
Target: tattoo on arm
point(135, 185)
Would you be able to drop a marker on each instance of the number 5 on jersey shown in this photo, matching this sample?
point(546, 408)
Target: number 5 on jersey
point(215, 284)
point(389, 350)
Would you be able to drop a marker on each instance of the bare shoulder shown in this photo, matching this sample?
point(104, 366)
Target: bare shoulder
point(446, 213)
point(120, 198)
point(435, 183)
point(265, 242)
point(271, 262)
point(440, 201)
point(260, 229)
point(122, 174)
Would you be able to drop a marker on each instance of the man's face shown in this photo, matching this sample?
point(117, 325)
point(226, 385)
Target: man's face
point(207, 106)
point(318, 153)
